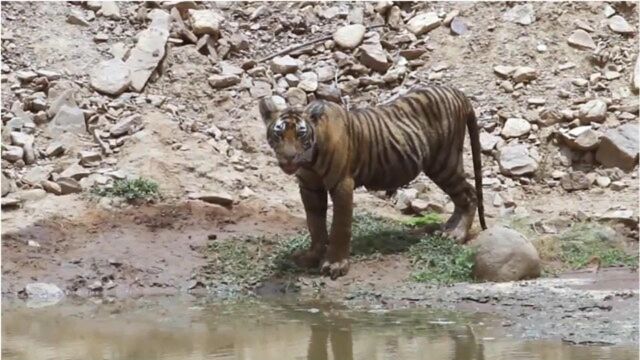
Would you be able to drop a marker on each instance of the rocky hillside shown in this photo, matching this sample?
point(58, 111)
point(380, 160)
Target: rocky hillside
point(97, 91)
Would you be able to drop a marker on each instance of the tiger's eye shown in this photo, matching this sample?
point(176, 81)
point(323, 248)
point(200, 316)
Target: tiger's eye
point(302, 129)
point(278, 127)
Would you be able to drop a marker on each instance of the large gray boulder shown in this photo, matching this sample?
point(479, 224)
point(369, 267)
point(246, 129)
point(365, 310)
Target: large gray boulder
point(619, 147)
point(503, 254)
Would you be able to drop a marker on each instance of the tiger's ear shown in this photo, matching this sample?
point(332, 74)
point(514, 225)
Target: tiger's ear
point(316, 110)
point(269, 110)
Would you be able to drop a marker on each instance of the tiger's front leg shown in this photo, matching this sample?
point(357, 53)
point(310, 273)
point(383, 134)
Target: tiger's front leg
point(336, 261)
point(315, 207)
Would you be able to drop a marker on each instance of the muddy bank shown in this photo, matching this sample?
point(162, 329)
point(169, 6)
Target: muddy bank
point(145, 250)
point(167, 249)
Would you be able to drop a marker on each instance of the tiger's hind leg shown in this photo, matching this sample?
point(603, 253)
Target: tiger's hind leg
point(464, 199)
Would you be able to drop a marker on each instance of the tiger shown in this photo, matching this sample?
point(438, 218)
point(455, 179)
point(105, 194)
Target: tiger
point(332, 151)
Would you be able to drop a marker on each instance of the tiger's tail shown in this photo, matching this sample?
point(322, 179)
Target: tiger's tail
point(474, 137)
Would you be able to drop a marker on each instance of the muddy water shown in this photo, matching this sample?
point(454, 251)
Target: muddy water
point(167, 328)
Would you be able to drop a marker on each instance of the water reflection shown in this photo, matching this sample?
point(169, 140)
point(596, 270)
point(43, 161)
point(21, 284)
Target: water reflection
point(177, 330)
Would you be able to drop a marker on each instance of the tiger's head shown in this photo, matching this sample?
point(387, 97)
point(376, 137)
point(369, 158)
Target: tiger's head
point(291, 133)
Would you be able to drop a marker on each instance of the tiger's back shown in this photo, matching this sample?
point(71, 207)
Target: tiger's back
point(421, 131)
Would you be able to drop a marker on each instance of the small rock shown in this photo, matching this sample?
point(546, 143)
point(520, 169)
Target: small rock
point(536, 101)
point(618, 185)
point(503, 254)
point(149, 49)
point(50, 75)
point(296, 97)
point(64, 98)
point(110, 9)
point(36, 175)
point(450, 16)
point(101, 37)
point(223, 81)
point(622, 216)
point(524, 74)
point(619, 147)
point(284, 65)
point(308, 81)
point(6, 185)
point(54, 149)
point(382, 7)
point(75, 172)
point(76, 18)
point(619, 25)
point(222, 199)
point(42, 291)
point(394, 20)
point(350, 36)
point(576, 180)
point(68, 119)
point(581, 40)
point(458, 27)
point(557, 174)
point(21, 139)
point(325, 74)
point(356, 16)
point(68, 186)
point(580, 24)
point(593, 111)
point(12, 153)
point(373, 55)
point(111, 77)
point(611, 75)
point(126, 125)
point(609, 11)
point(51, 187)
point(603, 181)
point(580, 82)
point(422, 23)
point(26, 76)
point(419, 206)
point(260, 89)
point(404, 197)
point(88, 158)
point(329, 93)
point(488, 142)
point(96, 286)
point(515, 127)
point(585, 141)
point(514, 160)
point(30, 195)
point(548, 117)
point(520, 14)
point(205, 21)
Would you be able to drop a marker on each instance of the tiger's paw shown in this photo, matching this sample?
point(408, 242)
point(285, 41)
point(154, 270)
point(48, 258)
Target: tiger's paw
point(335, 269)
point(307, 258)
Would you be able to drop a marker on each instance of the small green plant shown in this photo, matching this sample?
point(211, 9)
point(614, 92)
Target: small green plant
point(429, 219)
point(137, 189)
point(583, 242)
point(236, 260)
point(439, 259)
point(576, 247)
point(281, 261)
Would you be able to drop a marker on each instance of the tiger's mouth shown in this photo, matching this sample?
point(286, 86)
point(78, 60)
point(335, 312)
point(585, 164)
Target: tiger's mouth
point(289, 168)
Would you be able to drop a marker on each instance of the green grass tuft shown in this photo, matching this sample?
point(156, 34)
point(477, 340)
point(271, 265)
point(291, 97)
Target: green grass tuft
point(583, 242)
point(438, 259)
point(138, 189)
point(430, 219)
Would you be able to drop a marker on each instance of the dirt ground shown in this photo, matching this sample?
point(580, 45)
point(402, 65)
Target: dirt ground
point(76, 240)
